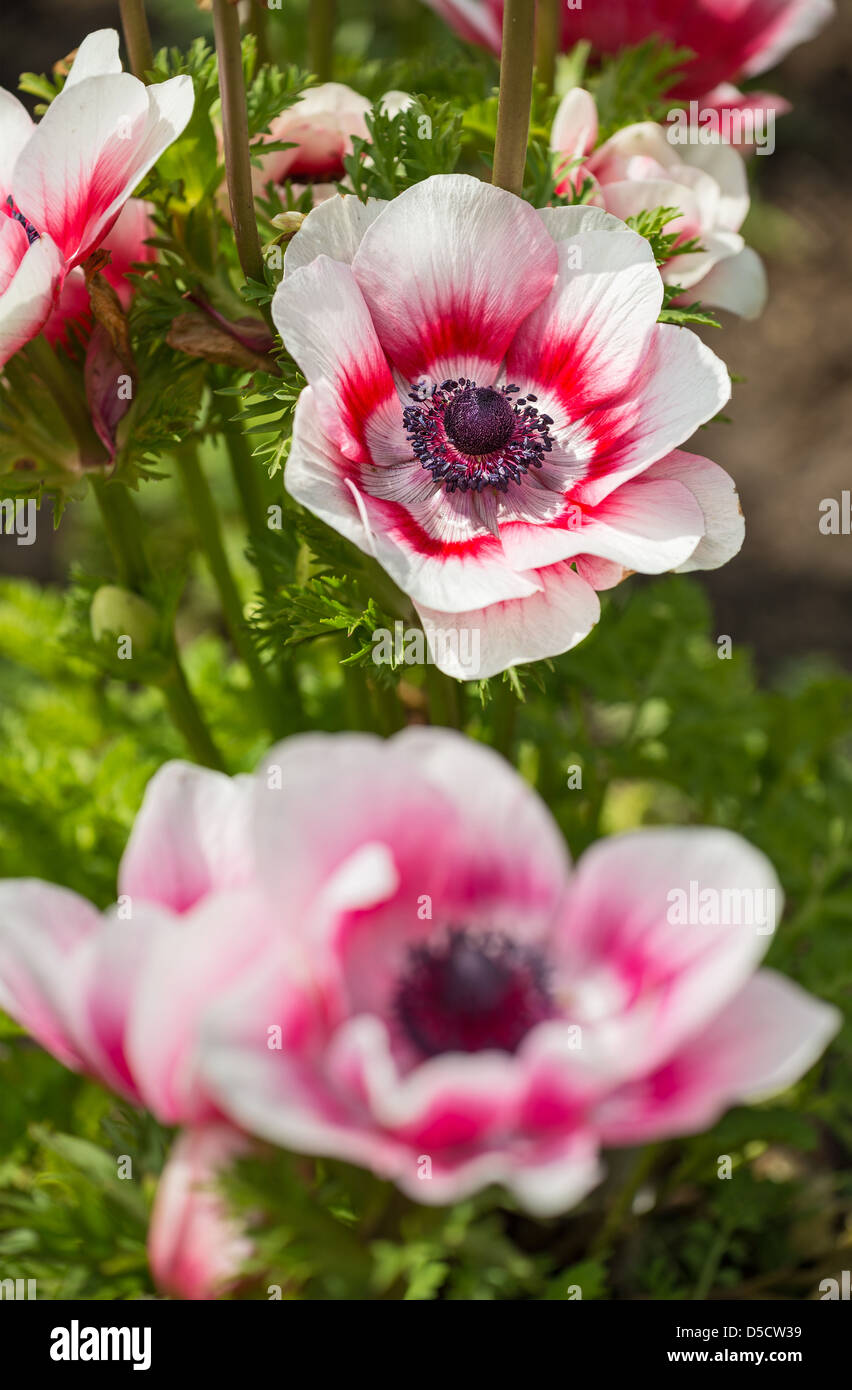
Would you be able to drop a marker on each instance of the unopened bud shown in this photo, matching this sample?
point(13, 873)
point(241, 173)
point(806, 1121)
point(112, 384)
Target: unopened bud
point(117, 612)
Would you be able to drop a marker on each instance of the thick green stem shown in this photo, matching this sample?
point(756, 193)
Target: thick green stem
point(186, 717)
point(321, 17)
point(548, 32)
point(209, 530)
point(137, 36)
point(513, 109)
point(232, 87)
point(123, 526)
point(249, 484)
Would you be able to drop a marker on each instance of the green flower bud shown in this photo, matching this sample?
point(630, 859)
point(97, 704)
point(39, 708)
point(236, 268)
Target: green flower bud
point(127, 618)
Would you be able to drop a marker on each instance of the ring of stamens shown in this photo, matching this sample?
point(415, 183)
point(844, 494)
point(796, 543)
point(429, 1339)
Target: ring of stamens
point(471, 437)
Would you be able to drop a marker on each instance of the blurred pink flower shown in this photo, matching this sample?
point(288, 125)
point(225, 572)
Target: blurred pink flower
point(319, 127)
point(64, 181)
point(378, 951)
point(195, 1248)
point(641, 168)
point(730, 39)
point(493, 412)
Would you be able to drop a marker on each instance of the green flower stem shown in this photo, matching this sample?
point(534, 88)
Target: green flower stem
point(209, 530)
point(513, 108)
point(123, 526)
point(137, 36)
point(321, 17)
point(186, 716)
point(444, 698)
point(548, 33)
point(226, 28)
point(249, 484)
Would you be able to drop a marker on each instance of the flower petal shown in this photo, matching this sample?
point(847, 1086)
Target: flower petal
point(92, 147)
point(192, 837)
point(449, 270)
point(716, 494)
point(333, 228)
point(42, 928)
point(675, 920)
point(485, 641)
point(31, 287)
point(763, 1041)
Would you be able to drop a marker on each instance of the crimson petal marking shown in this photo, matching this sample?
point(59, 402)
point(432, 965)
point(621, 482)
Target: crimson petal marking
point(325, 324)
point(449, 271)
point(586, 340)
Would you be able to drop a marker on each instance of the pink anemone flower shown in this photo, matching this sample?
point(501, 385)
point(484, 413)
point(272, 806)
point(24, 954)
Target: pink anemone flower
point(729, 39)
point(641, 168)
point(413, 980)
point(65, 180)
point(195, 1248)
point(493, 412)
point(319, 129)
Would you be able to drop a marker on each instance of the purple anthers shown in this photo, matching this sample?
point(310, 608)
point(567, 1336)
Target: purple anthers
point(472, 437)
point(32, 234)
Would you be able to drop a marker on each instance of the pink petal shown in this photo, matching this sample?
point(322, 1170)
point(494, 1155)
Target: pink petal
point(30, 279)
point(737, 283)
point(645, 525)
point(195, 1249)
point(325, 324)
point(185, 971)
point(680, 385)
point(548, 623)
point(588, 337)
point(92, 147)
point(191, 837)
point(644, 980)
point(42, 930)
point(716, 494)
point(449, 270)
point(762, 1042)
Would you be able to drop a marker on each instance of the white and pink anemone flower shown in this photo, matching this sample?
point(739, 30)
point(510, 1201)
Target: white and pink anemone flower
point(379, 951)
point(195, 1248)
point(639, 169)
point(65, 180)
point(319, 129)
point(729, 39)
point(493, 412)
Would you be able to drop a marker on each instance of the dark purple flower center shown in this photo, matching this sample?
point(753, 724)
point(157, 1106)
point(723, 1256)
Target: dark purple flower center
point(472, 991)
point(471, 437)
point(32, 234)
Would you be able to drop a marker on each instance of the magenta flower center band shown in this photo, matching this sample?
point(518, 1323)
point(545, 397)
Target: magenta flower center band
point(472, 991)
point(471, 437)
